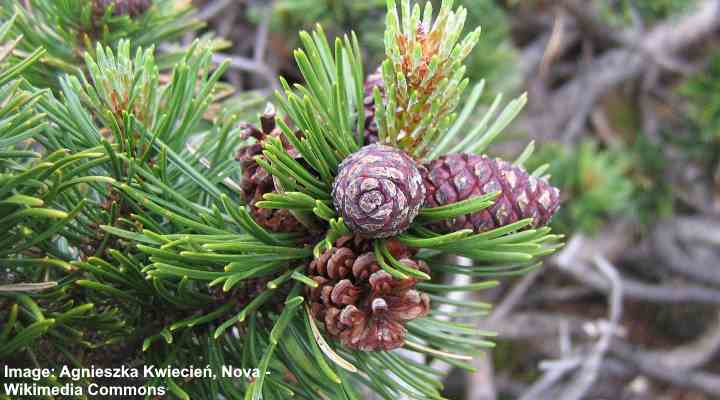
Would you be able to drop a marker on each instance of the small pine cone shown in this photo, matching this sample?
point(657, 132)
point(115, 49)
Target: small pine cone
point(131, 8)
point(456, 177)
point(371, 129)
point(256, 182)
point(361, 305)
point(378, 191)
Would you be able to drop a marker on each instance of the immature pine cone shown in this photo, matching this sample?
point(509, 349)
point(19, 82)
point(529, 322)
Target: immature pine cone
point(378, 191)
point(456, 177)
point(361, 305)
point(132, 8)
point(256, 182)
point(371, 129)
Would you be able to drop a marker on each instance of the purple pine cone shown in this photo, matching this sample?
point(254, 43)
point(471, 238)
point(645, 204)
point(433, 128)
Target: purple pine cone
point(378, 191)
point(457, 177)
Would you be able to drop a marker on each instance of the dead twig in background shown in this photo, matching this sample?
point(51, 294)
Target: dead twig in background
point(691, 355)
point(554, 44)
point(591, 365)
point(214, 8)
point(261, 35)
point(678, 244)
point(248, 65)
point(570, 261)
point(700, 380)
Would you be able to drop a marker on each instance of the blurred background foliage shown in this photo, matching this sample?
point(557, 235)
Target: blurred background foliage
point(649, 11)
point(597, 180)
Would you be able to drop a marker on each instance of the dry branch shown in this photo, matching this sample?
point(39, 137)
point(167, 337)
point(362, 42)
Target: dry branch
point(573, 260)
point(662, 46)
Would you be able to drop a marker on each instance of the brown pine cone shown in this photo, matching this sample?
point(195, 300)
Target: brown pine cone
point(371, 129)
point(256, 182)
point(361, 305)
point(456, 177)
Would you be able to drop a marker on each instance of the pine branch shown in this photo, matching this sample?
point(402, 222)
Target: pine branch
point(68, 28)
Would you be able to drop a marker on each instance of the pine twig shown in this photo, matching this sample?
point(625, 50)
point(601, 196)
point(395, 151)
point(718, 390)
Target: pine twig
point(590, 367)
point(658, 46)
point(569, 260)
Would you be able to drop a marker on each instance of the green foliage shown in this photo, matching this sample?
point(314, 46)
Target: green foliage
point(326, 111)
point(68, 28)
point(22, 171)
point(425, 79)
point(123, 94)
point(596, 183)
point(32, 183)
